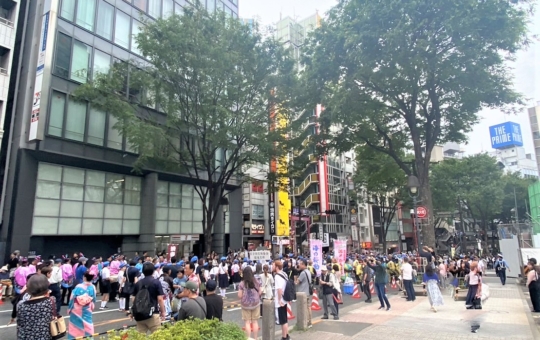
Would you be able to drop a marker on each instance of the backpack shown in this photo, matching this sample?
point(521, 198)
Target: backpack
point(310, 283)
point(250, 298)
point(143, 308)
point(288, 293)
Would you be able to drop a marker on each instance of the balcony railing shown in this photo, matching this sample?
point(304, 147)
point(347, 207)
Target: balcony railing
point(313, 198)
point(6, 22)
point(3, 71)
point(310, 179)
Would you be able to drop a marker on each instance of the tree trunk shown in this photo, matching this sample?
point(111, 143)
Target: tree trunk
point(208, 229)
point(428, 229)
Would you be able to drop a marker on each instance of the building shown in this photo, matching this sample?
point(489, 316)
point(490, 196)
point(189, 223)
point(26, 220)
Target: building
point(69, 181)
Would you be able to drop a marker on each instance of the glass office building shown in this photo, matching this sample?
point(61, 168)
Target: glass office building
point(70, 184)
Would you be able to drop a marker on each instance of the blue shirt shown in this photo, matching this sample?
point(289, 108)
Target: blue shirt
point(501, 263)
point(139, 266)
point(79, 273)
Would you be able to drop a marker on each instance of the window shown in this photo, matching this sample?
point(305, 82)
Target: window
point(154, 8)
point(62, 55)
point(56, 119)
point(121, 33)
point(75, 120)
point(132, 191)
point(114, 191)
point(257, 187)
point(168, 8)
point(105, 20)
point(257, 211)
point(211, 6)
point(68, 9)
point(81, 62)
point(102, 63)
point(140, 4)
point(86, 10)
point(96, 127)
point(135, 30)
point(114, 138)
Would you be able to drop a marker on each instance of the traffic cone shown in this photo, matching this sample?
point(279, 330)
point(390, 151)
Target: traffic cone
point(371, 287)
point(290, 315)
point(394, 286)
point(315, 301)
point(356, 293)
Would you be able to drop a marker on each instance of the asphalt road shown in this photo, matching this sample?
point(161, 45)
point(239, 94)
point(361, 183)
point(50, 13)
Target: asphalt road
point(105, 320)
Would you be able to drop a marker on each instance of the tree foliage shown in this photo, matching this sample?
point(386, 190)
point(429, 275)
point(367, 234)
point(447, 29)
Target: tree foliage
point(198, 103)
point(400, 75)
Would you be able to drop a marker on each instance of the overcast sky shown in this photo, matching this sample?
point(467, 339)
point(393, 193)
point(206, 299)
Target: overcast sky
point(526, 69)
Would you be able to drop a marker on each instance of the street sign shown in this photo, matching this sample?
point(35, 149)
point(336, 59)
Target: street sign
point(260, 255)
point(421, 212)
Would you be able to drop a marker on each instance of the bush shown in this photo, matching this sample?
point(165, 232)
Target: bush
point(193, 329)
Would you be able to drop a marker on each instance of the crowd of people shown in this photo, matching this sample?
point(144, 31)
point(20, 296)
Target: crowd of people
point(152, 290)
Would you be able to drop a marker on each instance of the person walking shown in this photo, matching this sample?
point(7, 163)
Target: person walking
point(249, 293)
point(367, 277)
point(500, 267)
point(474, 294)
point(149, 323)
point(34, 315)
point(68, 279)
point(533, 283)
point(81, 307)
point(304, 285)
point(431, 280)
point(327, 283)
point(407, 275)
point(381, 279)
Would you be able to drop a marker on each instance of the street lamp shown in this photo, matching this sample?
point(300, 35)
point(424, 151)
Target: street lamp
point(413, 185)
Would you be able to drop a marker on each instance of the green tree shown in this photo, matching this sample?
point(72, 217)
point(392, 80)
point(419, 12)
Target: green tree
point(511, 182)
point(475, 182)
point(382, 181)
point(406, 75)
point(199, 104)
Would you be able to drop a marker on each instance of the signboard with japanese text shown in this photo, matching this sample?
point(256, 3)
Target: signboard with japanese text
point(272, 213)
point(340, 251)
point(257, 229)
point(260, 255)
point(316, 255)
point(326, 240)
point(172, 249)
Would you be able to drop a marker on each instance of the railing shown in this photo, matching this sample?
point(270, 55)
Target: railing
point(313, 198)
point(3, 71)
point(6, 22)
point(313, 178)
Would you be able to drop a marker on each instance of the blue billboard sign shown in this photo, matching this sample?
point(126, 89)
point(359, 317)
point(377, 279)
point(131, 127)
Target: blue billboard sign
point(505, 135)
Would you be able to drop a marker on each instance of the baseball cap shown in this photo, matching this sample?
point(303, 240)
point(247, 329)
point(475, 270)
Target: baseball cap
point(211, 285)
point(190, 285)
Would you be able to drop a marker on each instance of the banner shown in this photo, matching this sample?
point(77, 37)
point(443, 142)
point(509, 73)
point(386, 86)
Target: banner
point(316, 255)
point(260, 255)
point(340, 251)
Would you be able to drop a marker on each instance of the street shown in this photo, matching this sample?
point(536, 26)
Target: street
point(113, 319)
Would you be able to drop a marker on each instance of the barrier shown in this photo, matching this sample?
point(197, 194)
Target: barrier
point(290, 314)
point(371, 287)
point(315, 301)
point(356, 293)
point(394, 285)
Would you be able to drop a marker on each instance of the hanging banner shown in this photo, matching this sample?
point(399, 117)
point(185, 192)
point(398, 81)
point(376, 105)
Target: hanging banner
point(316, 255)
point(340, 251)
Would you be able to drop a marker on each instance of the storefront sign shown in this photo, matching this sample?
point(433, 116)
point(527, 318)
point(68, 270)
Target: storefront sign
point(172, 249)
point(316, 255)
point(272, 213)
point(175, 239)
point(260, 255)
point(257, 229)
point(366, 245)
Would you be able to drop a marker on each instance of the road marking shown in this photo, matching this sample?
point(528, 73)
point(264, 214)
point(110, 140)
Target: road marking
point(231, 310)
point(107, 322)
point(231, 306)
point(67, 317)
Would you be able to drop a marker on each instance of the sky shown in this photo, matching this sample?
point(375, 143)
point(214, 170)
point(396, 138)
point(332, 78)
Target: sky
point(526, 69)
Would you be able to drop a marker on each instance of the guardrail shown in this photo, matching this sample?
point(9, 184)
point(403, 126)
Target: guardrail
point(6, 22)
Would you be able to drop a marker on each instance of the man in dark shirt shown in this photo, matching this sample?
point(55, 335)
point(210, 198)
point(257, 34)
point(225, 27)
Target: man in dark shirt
point(173, 267)
point(152, 323)
point(214, 303)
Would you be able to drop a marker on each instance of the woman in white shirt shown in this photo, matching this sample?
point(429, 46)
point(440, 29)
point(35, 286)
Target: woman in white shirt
point(235, 269)
point(105, 284)
point(121, 282)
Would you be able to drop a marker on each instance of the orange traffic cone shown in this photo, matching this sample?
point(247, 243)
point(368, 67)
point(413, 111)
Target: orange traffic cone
point(356, 293)
point(394, 286)
point(290, 315)
point(371, 287)
point(315, 301)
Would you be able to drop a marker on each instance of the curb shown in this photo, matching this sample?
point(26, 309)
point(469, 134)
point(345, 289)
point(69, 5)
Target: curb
point(232, 306)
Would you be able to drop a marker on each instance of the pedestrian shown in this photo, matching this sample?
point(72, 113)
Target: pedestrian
point(105, 285)
point(223, 277)
point(195, 306)
point(500, 268)
point(249, 293)
point(443, 273)
point(304, 285)
point(431, 280)
point(68, 279)
point(381, 279)
point(80, 270)
point(407, 275)
point(474, 294)
point(533, 283)
point(121, 294)
point(214, 302)
point(34, 315)
point(267, 290)
point(367, 278)
point(54, 275)
point(280, 304)
point(149, 303)
point(327, 283)
point(336, 287)
point(114, 268)
point(81, 307)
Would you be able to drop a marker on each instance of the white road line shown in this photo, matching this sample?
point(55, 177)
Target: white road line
point(233, 309)
point(67, 317)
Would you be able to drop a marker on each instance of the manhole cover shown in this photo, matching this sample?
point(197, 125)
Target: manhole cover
point(339, 327)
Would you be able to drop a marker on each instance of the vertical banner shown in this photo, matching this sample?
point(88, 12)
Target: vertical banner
point(36, 102)
point(340, 251)
point(316, 255)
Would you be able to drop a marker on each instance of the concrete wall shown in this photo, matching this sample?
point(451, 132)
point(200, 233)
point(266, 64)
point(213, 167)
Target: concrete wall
point(510, 250)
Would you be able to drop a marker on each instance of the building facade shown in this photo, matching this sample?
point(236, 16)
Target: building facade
point(9, 17)
point(70, 184)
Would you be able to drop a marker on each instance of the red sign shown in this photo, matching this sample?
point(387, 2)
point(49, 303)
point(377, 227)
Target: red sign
point(421, 212)
point(366, 245)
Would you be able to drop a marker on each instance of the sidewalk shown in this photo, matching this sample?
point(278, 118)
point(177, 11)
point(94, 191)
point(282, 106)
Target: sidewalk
point(505, 316)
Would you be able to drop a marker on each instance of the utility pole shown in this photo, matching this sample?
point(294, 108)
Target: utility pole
point(518, 230)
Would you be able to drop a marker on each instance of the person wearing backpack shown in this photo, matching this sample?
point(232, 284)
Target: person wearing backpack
point(282, 294)
point(148, 302)
point(304, 284)
point(249, 293)
point(500, 267)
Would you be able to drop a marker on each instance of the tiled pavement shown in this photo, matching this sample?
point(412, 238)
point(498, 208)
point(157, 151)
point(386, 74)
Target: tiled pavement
point(505, 316)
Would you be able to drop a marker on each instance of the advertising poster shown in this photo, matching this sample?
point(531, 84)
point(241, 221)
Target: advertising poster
point(340, 251)
point(316, 255)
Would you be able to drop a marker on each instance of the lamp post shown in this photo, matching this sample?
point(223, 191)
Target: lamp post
point(413, 185)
